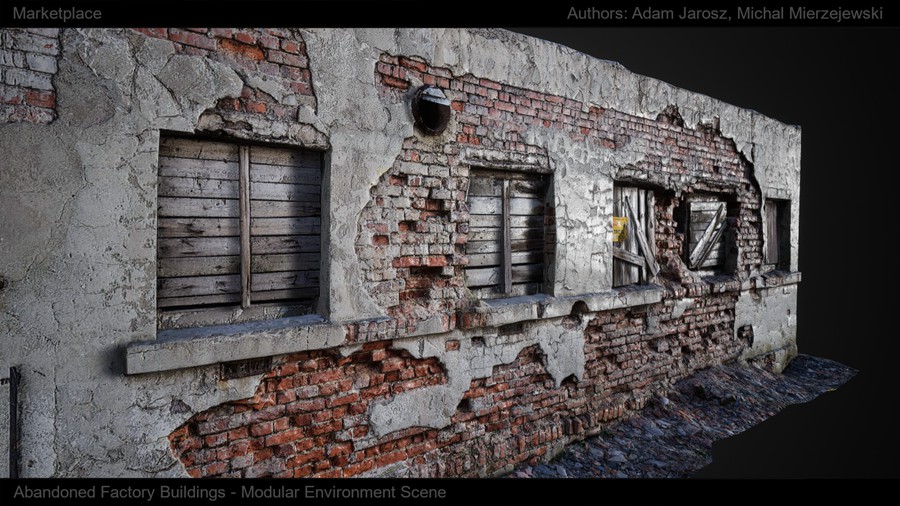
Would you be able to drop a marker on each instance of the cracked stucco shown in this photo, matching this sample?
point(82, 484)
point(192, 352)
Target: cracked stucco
point(78, 231)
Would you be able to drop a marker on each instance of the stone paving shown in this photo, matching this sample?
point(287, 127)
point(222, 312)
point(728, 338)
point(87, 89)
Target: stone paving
point(672, 437)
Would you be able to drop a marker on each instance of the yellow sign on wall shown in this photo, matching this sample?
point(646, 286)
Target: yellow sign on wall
point(620, 228)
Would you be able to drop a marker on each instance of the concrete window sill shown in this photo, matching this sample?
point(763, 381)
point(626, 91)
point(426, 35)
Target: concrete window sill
point(536, 307)
point(193, 347)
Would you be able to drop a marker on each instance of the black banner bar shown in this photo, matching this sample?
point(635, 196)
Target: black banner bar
point(374, 492)
point(418, 13)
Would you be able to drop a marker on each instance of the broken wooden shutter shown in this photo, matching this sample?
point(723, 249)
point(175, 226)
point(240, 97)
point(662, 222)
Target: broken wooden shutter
point(634, 256)
point(706, 245)
point(285, 211)
point(506, 246)
point(237, 224)
point(199, 224)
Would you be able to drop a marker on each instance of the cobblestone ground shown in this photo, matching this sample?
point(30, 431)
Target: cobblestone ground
point(673, 436)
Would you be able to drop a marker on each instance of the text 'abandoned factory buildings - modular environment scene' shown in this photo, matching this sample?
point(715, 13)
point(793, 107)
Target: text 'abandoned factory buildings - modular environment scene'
point(373, 252)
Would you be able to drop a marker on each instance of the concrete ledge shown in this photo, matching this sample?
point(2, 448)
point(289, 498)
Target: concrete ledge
point(183, 348)
point(194, 347)
point(536, 307)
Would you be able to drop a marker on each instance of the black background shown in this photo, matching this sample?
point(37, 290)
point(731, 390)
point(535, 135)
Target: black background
point(835, 84)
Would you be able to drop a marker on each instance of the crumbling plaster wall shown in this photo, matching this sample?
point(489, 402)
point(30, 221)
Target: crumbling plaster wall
point(79, 239)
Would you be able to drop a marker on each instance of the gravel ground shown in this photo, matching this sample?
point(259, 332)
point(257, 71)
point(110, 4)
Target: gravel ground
point(672, 437)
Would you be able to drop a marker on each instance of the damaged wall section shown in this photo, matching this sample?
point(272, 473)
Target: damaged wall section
point(403, 370)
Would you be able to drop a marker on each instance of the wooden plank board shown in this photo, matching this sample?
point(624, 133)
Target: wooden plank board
point(486, 205)
point(493, 187)
point(493, 221)
point(285, 244)
point(309, 293)
point(515, 234)
point(275, 209)
point(285, 226)
point(212, 169)
point(197, 187)
point(200, 300)
point(199, 266)
point(771, 232)
point(642, 240)
point(284, 280)
point(518, 206)
point(625, 273)
point(198, 285)
point(285, 262)
point(490, 276)
point(478, 247)
point(518, 289)
point(285, 156)
point(627, 256)
point(711, 234)
point(279, 174)
point(197, 149)
point(245, 226)
point(517, 257)
point(198, 227)
point(286, 192)
point(172, 207)
point(527, 273)
point(199, 247)
point(506, 265)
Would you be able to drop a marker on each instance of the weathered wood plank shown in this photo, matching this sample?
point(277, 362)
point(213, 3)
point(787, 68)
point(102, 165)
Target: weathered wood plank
point(285, 262)
point(197, 187)
point(710, 235)
point(485, 205)
point(294, 294)
point(490, 276)
point(517, 257)
point(199, 247)
point(200, 300)
point(198, 227)
point(284, 280)
point(518, 289)
point(772, 242)
point(642, 240)
point(286, 192)
point(199, 266)
point(623, 272)
point(285, 156)
point(710, 206)
point(527, 273)
point(262, 173)
point(285, 244)
point(478, 247)
point(515, 234)
point(493, 221)
point(650, 221)
point(173, 207)
point(493, 187)
point(526, 206)
point(276, 209)
point(245, 226)
point(197, 149)
point(198, 285)
point(507, 249)
point(285, 226)
point(627, 256)
point(212, 169)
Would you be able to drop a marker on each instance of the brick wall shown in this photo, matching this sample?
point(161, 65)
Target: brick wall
point(264, 53)
point(28, 63)
point(308, 417)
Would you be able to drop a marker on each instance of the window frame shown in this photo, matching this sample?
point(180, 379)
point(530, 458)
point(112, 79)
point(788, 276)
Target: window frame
point(717, 231)
point(245, 309)
point(505, 287)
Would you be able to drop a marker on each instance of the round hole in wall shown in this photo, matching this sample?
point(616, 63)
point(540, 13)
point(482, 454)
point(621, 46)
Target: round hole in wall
point(431, 110)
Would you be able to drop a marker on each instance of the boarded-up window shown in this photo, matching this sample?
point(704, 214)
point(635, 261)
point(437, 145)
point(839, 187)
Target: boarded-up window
point(705, 241)
point(238, 225)
point(507, 240)
point(633, 236)
point(777, 233)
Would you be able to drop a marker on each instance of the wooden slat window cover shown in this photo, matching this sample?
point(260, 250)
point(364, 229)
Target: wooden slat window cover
point(706, 237)
point(629, 264)
point(237, 225)
point(507, 242)
point(772, 239)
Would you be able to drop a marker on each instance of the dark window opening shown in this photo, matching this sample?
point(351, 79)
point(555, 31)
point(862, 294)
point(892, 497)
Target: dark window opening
point(778, 234)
